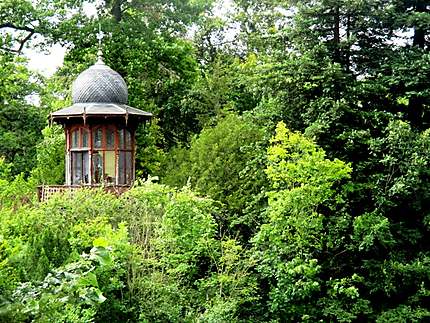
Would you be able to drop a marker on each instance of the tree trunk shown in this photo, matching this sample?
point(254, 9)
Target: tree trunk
point(336, 34)
point(348, 37)
point(420, 33)
point(116, 10)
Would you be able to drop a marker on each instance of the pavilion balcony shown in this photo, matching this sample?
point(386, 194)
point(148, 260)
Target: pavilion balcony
point(45, 192)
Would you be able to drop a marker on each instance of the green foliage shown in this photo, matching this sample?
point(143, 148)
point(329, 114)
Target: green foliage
point(339, 241)
point(149, 155)
point(225, 162)
point(404, 314)
point(289, 247)
point(50, 157)
point(5, 169)
point(42, 276)
point(159, 73)
point(403, 153)
point(231, 286)
point(371, 229)
point(20, 122)
point(186, 273)
point(188, 229)
point(17, 192)
point(74, 256)
point(314, 255)
point(74, 286)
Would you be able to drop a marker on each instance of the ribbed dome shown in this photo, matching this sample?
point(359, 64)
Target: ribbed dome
point(99, 84)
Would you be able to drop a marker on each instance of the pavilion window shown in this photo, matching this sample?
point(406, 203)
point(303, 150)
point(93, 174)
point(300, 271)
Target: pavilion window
point(104, 155)
point(110, 138)
point(98, 137)
point(80, 169)
point(125, 157)
point(79, 152)
point(97, 166)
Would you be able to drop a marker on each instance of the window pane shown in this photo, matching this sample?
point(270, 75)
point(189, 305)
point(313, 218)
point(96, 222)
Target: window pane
point(76, 168)
point(109, 176)
point(128, 139)
point(80, 169)
point(121, 138)
point(98, 134)
point(75, 138)
point(129, 167)
point(85, 167)
point(121, 168)
point(85, 138)
point(110, 138)
point(98, 167)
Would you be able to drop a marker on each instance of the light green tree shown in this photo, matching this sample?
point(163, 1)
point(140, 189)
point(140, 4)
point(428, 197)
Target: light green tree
point(291, 247)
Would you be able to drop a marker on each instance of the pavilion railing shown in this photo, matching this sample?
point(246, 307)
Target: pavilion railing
point(45, 192)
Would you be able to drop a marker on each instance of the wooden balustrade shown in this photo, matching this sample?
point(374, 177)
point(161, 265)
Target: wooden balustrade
point(45, 192)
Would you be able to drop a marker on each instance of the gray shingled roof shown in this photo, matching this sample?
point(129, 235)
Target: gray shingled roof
point(99, 109)
point(99, 91)
point(99, 83)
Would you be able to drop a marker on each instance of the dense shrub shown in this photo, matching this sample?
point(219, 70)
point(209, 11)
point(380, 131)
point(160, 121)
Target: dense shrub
point(150, 255)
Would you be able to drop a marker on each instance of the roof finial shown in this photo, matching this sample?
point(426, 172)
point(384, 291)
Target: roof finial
point(100, 35)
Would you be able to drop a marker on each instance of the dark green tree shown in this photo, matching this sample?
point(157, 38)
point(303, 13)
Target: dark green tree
point(226, 163)
point(20, 121)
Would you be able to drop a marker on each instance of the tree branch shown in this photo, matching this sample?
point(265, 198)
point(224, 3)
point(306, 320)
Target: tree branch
point(10, 50)
point(22, 42)
point(13, 26)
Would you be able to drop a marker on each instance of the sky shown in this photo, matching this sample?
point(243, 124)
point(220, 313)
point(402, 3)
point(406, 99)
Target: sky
point(46, 63)
point(49, 61)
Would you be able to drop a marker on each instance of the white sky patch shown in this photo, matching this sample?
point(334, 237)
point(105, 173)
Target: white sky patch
point(90, 9)
point(402, 38)
point(48, 62)
point(223, 8)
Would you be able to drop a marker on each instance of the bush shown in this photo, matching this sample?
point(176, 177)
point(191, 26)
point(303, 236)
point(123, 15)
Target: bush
point(152, 254)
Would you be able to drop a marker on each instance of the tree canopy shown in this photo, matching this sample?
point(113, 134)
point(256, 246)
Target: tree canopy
point(291, 145)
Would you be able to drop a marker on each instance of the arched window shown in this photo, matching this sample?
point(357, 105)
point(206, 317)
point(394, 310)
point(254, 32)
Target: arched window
point(79, 154)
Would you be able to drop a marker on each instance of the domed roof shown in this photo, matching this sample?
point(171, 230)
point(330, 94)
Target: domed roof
point(99, 84)
point(99, 92)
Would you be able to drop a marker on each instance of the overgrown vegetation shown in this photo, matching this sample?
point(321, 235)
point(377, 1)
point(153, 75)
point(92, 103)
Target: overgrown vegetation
point(292, 149)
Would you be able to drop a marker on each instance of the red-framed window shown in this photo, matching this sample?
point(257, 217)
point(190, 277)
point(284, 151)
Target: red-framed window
point(125, 167)
point(79, 155)
point(101, 154)
point(104, 154)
